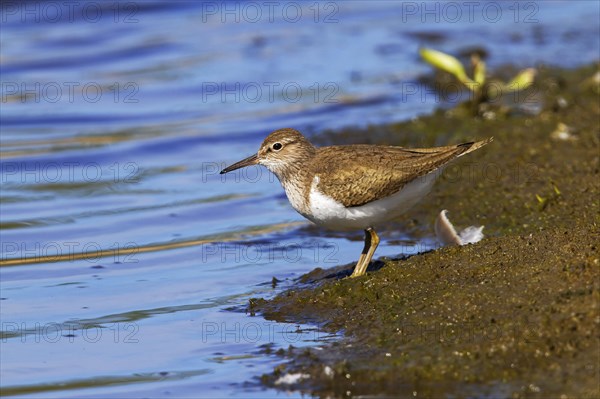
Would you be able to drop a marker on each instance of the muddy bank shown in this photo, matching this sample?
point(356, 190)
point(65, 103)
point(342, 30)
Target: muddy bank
point(516, 315)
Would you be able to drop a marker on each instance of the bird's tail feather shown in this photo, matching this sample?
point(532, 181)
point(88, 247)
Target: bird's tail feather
point(474, 145)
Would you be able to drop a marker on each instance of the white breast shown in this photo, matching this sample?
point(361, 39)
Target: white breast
point(327, 212)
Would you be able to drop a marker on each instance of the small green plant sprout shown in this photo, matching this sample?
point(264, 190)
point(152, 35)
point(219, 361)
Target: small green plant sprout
point(544, 201)
point(482, 88)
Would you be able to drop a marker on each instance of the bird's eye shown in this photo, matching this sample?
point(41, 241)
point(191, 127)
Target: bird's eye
point(277, 146)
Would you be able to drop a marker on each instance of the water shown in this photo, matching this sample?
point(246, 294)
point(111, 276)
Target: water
point(123, 250)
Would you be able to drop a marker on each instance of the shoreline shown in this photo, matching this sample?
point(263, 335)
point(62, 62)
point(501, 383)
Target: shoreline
point(515, 315)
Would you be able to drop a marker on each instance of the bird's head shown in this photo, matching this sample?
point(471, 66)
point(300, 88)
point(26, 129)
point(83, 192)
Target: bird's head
point(282, 152)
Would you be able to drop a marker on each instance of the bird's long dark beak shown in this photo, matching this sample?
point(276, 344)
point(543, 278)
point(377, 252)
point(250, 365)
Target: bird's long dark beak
point(251, 160)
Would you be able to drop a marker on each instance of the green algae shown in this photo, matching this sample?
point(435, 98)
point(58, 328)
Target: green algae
point(516, 315)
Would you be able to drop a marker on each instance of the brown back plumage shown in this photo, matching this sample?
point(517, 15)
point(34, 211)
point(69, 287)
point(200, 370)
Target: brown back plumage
point(359, 174)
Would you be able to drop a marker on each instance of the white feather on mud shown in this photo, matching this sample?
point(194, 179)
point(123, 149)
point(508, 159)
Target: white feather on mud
point(446, 233)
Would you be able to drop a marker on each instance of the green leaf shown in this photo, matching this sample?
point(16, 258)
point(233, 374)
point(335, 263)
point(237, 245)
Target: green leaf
point(446, 63)
point(522, 81)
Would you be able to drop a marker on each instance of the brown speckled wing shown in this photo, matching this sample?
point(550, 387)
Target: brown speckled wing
point(359, 174)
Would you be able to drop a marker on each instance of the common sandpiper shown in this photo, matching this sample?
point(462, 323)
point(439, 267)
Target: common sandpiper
point(352, 187)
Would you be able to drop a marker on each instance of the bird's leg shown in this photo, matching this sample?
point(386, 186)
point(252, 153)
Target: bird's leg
point(371, 243)
point(359, 265)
